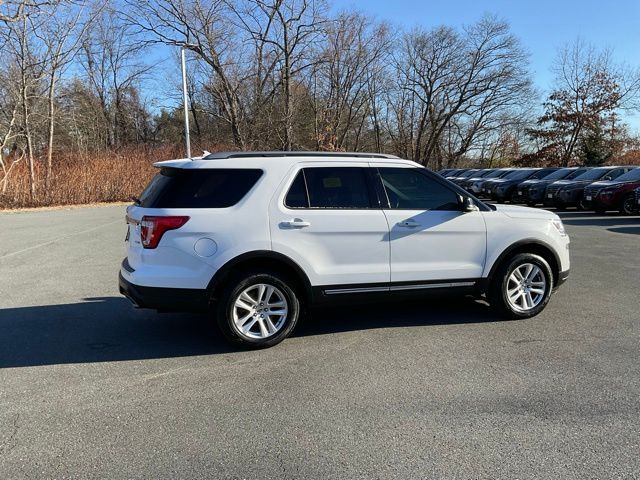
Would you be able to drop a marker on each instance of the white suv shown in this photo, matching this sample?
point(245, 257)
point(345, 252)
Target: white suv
point(255, 236)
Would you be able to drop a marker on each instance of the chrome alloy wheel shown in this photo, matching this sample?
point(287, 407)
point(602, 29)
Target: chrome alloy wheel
point(526, 287)
point(260, 311)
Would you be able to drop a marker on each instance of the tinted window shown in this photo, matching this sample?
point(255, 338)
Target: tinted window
point(337, 187)
point(297, 195)
point(614, 174)
point(198, 188)
point(594, 174)
point(631, 175)
point(409, 188)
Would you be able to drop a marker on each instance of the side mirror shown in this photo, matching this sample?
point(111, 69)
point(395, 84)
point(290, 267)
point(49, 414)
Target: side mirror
point(467, 204)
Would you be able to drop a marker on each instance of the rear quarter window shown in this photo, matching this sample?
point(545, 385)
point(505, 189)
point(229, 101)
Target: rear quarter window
point(199, 188)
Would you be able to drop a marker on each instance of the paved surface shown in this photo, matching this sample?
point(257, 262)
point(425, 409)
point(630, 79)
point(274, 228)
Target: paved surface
point(90, 388)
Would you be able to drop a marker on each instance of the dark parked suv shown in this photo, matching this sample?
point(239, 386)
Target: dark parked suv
point(467, 182)
point(508, 189)
point(531, 191)
point(618, 194)
point(502, 188)
point(569, 193)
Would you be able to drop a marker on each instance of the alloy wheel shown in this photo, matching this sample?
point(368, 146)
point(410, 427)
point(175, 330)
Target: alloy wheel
point(260, 311)
point(526, 287)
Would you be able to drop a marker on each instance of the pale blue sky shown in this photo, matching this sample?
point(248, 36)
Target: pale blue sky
point(541, 25)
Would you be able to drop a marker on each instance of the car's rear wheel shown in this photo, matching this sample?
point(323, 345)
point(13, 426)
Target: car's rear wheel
point(522, 285)
point(628, 205)
point(257, 310)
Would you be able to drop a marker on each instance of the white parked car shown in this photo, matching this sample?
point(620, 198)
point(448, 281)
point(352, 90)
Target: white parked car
point(254, 236)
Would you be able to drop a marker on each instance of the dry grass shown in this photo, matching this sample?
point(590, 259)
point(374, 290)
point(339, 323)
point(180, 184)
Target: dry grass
point(85, 178)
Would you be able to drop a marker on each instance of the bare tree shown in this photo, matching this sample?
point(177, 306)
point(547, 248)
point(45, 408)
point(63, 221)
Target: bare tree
point(589, 90)
point(22, 47)
point(203, 27)
point(9, 116)
point(290, 28)
point(458, 85)
point(17, 10)
point(62, 36)
point(111, 58)
point(344, 78)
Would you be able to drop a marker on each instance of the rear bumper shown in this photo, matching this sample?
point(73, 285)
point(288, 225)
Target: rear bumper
point(164, 299)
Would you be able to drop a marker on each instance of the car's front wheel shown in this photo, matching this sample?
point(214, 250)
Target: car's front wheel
point(257, 310)
point(521, 287)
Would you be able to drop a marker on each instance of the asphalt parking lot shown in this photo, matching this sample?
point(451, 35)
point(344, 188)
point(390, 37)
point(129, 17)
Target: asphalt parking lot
point(91, 388)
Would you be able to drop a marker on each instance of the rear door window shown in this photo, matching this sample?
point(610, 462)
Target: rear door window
point(199, 188)
point(330, 187)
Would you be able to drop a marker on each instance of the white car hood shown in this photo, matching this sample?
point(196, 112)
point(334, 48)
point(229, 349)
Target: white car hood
point(515, 211)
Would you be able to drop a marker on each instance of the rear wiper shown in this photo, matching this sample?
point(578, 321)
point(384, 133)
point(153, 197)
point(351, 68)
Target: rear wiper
point(136, 200)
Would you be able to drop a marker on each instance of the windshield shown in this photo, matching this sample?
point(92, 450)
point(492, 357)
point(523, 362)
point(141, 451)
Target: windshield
point(485, 174)
point(542, 174)
point(497, 173)
point(576, 173)
point(629, 176)
point(518, 174)
point(594, 174)
point(558, 174)
point(469, 173)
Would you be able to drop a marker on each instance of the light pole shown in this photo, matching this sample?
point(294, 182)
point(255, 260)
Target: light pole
point(185, 99)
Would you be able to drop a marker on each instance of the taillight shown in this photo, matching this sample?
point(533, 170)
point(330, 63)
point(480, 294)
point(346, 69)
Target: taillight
point(152, 228)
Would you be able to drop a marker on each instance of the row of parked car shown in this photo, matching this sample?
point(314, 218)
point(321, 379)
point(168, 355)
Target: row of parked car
point(598, 189)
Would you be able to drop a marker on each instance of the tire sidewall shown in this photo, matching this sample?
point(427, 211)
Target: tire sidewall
point(623, 205)
point(226, 303)
point(503, 277)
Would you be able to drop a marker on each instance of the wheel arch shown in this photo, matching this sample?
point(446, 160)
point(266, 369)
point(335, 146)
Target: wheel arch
point(261, 259)
point(534, 246)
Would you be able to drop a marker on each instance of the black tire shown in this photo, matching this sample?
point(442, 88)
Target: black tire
point(225, 308)
point(628, 204)
point(599, 211)
point(497, 294)
point(514, 198)
point(531, 204)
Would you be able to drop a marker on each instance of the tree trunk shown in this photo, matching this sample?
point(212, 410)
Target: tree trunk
point(49, 176)
point(27, 134)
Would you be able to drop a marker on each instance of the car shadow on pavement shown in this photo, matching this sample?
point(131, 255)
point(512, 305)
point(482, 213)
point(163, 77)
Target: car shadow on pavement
point(627, 230)
point(109, 329)
point(100, 330)
point(408, 313)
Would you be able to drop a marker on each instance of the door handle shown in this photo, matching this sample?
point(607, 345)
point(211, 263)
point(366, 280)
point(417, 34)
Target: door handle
point(296, 223)
point(408, 224)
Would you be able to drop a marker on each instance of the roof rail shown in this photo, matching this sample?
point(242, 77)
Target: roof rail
point(225, 155)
